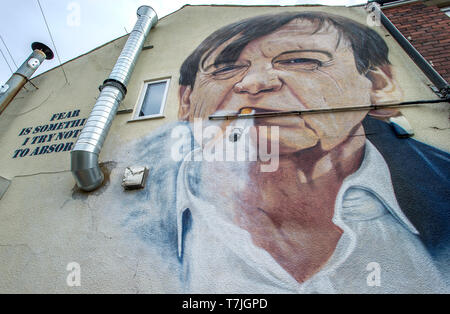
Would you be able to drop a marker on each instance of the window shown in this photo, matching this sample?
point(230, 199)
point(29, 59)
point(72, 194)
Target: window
point(152, 100)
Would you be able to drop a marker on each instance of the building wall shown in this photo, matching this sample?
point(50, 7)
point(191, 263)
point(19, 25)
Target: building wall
point(127, 241)
point(428, 30)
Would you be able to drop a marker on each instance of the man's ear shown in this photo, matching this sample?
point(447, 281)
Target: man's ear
point(385, 89)
point(184, 110)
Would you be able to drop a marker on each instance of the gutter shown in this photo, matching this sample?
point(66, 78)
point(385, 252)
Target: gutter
point(441, 84)
point(323, 110)
point(84, 156)
point(397, 3)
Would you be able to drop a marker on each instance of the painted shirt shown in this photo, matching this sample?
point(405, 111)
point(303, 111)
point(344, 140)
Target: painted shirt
point(378, 252)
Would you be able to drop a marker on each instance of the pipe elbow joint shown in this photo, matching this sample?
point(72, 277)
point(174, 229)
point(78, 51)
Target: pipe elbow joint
point(86, 171)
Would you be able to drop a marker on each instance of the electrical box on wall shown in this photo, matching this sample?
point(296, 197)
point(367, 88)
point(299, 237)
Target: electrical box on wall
point(134, 177)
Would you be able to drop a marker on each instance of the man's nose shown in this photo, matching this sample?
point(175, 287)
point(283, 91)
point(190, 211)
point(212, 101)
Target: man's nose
point(256, 82)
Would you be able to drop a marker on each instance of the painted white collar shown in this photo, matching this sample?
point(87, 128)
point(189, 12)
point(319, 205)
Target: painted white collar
point(373, 176)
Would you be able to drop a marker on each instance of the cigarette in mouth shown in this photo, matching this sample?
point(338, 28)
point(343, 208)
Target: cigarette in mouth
point(240, 126)
point(247, 111)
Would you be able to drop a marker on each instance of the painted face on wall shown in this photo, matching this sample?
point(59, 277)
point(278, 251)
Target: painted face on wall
point(294, 68)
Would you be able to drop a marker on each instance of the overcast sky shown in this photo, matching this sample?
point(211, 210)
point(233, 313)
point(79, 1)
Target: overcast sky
point(78, 26)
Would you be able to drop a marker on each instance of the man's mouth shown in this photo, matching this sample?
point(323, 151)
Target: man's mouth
point(272, 117)
point(247, 110)
point(252, 111)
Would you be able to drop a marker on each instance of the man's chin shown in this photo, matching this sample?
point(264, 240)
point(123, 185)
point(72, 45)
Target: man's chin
point(292, 140)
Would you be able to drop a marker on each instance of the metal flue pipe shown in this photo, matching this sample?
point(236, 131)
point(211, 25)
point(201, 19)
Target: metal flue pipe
point(15, 83)
point(84, 156)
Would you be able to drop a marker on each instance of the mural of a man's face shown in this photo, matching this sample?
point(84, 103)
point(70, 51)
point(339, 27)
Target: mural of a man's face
point(294, 68)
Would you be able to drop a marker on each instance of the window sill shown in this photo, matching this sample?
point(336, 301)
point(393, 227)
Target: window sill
point(159, 116)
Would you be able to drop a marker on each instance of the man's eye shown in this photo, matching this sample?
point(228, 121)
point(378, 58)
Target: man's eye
point(225, 69)
point(228, 71)
point(300, 63)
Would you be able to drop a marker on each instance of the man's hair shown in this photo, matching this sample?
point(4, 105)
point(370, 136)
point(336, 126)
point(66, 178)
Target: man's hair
point(368, 47)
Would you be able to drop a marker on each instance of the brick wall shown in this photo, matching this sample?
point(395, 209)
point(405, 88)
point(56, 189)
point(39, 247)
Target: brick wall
point(428, 30)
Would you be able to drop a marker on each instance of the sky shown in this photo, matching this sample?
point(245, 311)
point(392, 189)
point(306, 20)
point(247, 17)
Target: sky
point(78, 26)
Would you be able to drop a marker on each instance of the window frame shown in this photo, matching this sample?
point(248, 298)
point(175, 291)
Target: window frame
point(141, 98)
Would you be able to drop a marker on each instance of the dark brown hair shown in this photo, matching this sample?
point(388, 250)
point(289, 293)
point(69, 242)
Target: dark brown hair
point(369, 48)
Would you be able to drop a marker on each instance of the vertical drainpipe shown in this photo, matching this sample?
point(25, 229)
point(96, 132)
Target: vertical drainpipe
point(440, 83)
point(24, 73)
point(84, 156)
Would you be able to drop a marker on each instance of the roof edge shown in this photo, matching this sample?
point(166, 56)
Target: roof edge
point(178, 10)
